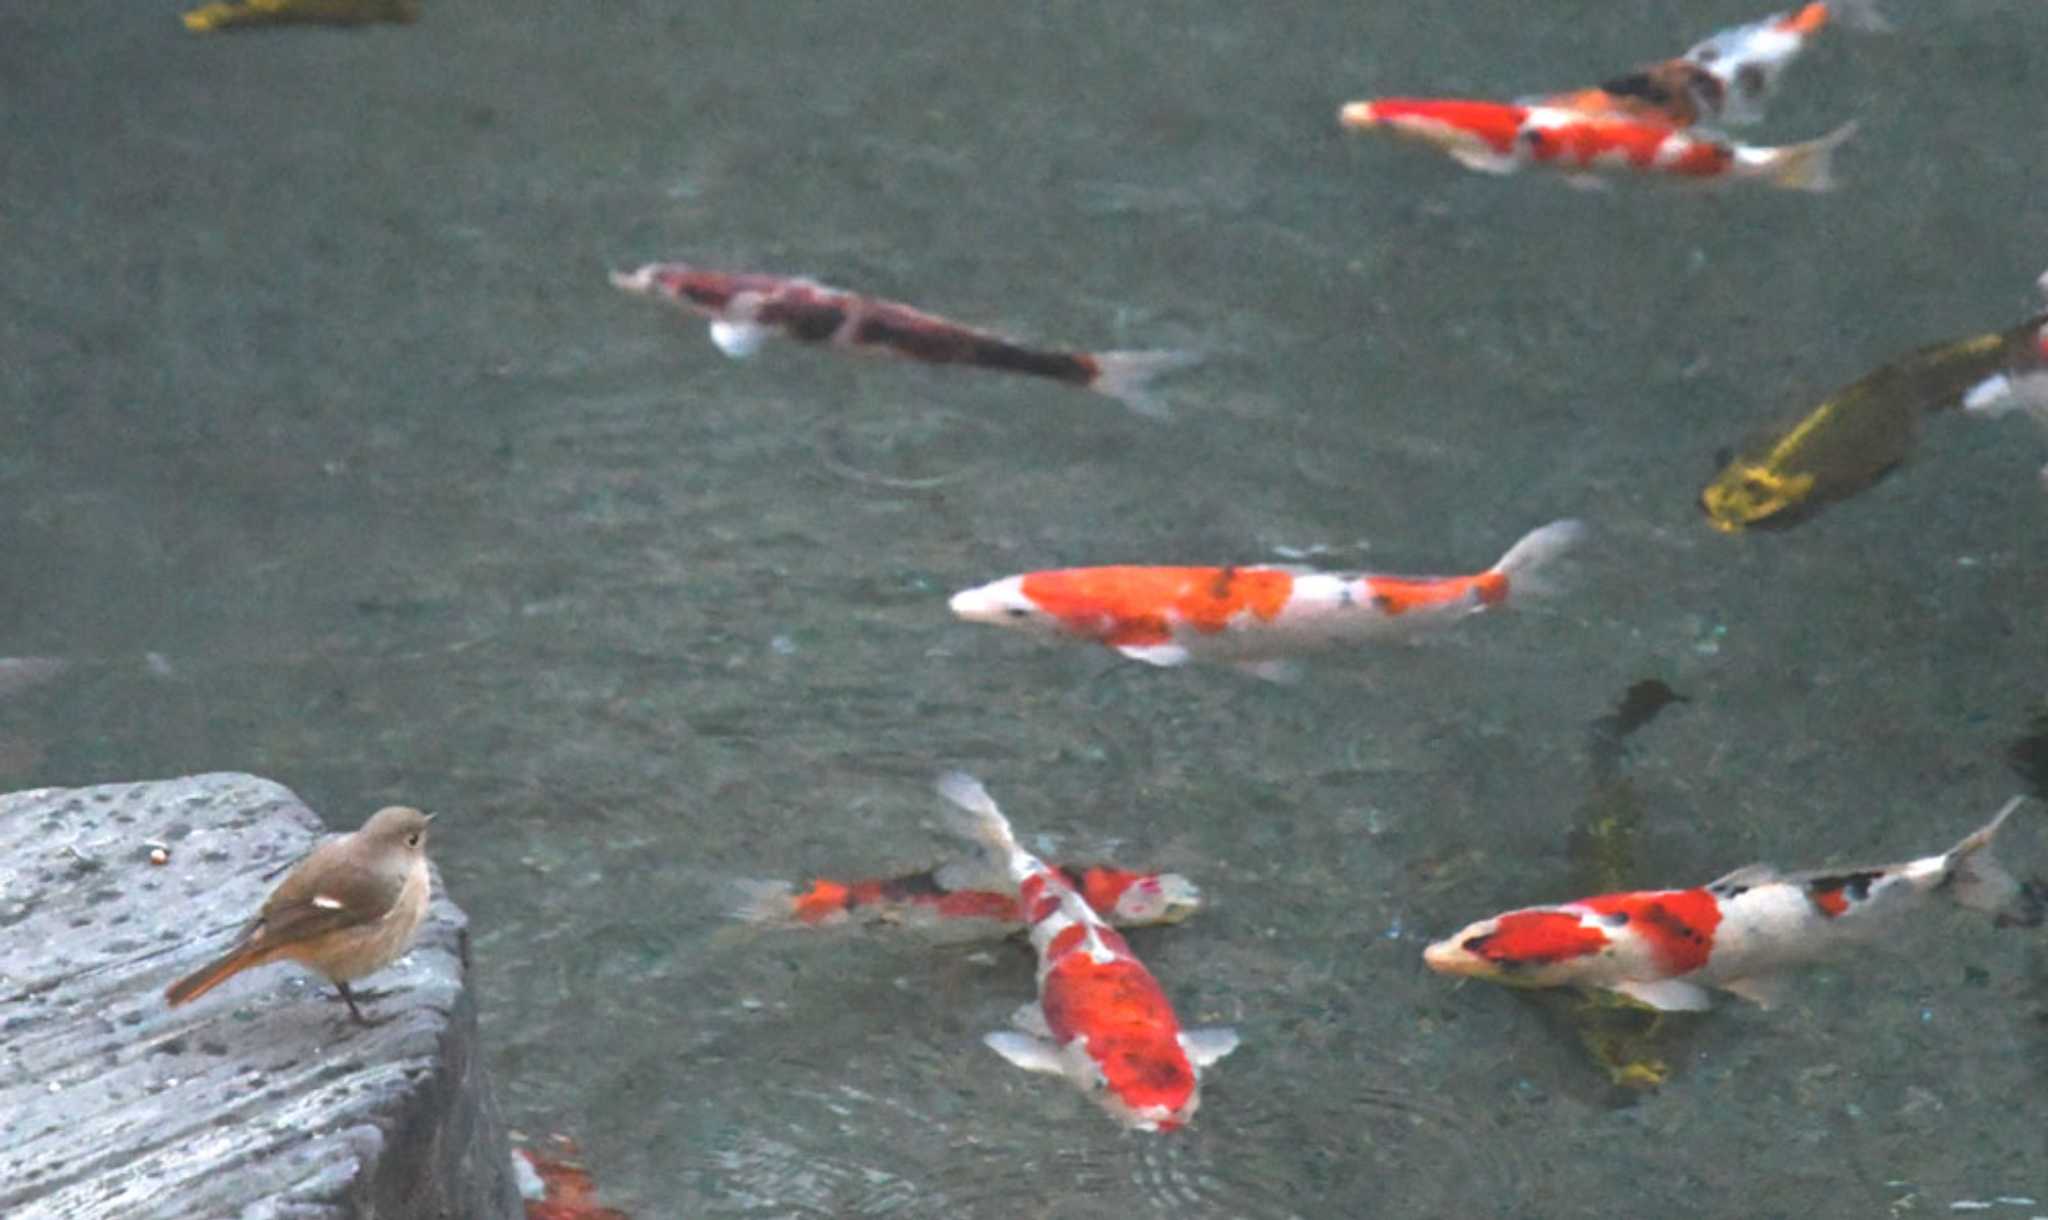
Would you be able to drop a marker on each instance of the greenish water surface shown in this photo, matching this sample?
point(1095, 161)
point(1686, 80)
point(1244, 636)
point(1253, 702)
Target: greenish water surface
point(331, 455)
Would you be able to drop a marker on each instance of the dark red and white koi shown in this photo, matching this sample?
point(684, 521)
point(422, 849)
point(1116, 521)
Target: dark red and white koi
point(961, 893)
point(1503, 137)
point(1101, 1020)
point(1252, 616)
point(746, 308)
point(1666, 948)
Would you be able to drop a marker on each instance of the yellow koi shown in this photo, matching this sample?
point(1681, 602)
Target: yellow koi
point(1860, 432)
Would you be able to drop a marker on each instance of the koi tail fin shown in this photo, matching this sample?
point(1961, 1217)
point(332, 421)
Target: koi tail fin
point(1522, 571)
point(1128, 377)
point(1979, 882)
point(975, 816)
point(211, 975)
point(1809, 166)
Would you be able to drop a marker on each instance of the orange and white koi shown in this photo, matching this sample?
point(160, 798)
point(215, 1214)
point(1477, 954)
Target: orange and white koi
point(1256, 615)
point(1503, 137)
point(1665, 948)
point(956, 892)
point(1726, 78)
point(1101, 1020)
point(745, 309)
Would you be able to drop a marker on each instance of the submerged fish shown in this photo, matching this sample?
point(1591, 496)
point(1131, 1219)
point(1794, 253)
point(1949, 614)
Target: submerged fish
point(241, 13)
point(746, 308)
point(1102, 1020)
point(952, 893)
point(1859, 433)
point(1665, 948)
point(1251, 616)
point(1503, 137)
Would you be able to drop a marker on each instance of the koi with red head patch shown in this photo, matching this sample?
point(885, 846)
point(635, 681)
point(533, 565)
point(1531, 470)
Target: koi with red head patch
point(1503, 137)
point(1665, 948)
point(1252, 616)
point(746, 308)
point(962, 892)
point(1101, 1020)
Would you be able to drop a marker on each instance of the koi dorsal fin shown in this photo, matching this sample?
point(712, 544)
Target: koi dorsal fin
point(1748, 877)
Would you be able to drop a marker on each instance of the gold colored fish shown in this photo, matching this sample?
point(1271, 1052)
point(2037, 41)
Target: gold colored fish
point(1861, 431)
point(303, 12)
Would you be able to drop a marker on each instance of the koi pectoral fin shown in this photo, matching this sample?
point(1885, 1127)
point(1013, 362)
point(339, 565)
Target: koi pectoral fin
point(738, 339)
point(1762, 990)
point(1206, 1046)
point(1031, 1054)
point(1030, 1019)
point(1668, 995)
point(1166, 656)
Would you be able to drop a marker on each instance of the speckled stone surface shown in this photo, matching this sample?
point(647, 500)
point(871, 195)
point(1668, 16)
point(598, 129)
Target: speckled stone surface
point(258, 1099)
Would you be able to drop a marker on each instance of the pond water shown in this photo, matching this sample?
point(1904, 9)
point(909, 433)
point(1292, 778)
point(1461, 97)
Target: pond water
point(332, 456)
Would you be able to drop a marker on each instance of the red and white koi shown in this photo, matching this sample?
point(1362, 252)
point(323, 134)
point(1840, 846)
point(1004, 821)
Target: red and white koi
point(958, 892)
point(1503, 137)
point(1665, 948)
point(745, 309)
point(1101, 1020)
point(1256, 615)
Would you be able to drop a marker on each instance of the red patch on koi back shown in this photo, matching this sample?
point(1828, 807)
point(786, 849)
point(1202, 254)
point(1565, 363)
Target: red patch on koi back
point(821, 902)
point(1700, 158)
point(1494, 122)
point(980, 904)
point(1830, 901)
point(1103, 886)
point(1678, 924)
point(1082, 995)
point(1394, 595)
point(1066, 941)
point(1536, 938)
point(1134, 605)
point(1584, 142)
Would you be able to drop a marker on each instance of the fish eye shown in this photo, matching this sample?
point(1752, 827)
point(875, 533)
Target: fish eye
point(1751, 80)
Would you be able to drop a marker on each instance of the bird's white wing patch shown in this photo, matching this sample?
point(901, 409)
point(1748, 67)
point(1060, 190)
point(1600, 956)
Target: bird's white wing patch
point(326, 903)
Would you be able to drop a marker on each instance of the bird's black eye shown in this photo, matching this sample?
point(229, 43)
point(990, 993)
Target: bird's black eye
point(1018, 612)
point(413, 839)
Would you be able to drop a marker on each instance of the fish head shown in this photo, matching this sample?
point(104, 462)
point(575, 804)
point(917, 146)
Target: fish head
point(1538, 947)
point(1002, 603)
point(1156, 898)
point(1146, 1084)
point(1746, 493)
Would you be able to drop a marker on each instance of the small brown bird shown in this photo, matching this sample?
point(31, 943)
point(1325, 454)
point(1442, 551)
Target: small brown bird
point(348, 909)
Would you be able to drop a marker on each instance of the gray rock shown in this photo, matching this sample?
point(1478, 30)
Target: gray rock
point(258, 1099)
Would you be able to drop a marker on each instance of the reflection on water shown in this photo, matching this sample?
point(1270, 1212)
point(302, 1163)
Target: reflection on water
point(334, 457)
